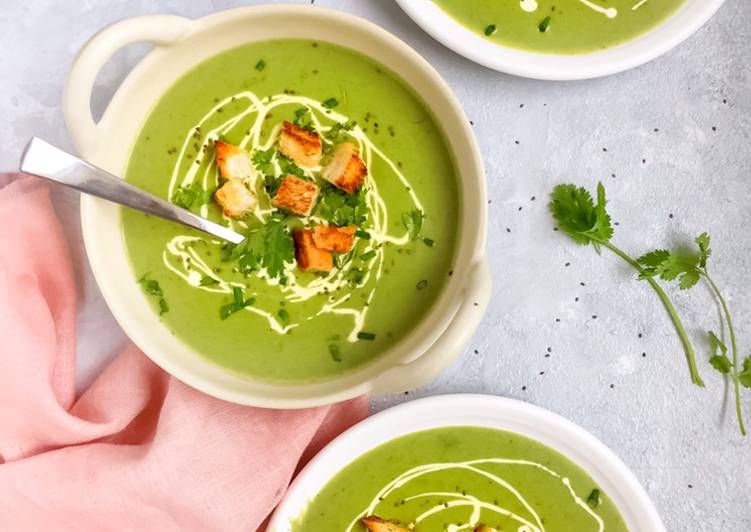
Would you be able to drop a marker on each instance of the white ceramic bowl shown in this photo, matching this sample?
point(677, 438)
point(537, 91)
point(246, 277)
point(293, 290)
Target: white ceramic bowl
point(661, 39)
point(572, 441)
point(180, 45)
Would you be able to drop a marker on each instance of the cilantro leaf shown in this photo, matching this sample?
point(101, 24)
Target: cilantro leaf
point(288, 167)
point(278, 248)
point(721, 363)
point(412, 222)
point(150, 286)
point(574, 210)
point(744, 377)
point(705, 251)
point(651, 261)
point(208, 281)
point(191, 196)
point(343, 209)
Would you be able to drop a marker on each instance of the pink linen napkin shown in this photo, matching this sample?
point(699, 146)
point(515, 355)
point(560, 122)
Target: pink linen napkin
point(138, 450)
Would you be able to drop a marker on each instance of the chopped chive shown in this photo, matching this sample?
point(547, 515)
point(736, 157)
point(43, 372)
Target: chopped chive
point(208, 281)
point(163, 306)
point(362, 234)
point(283, 316)
point(336, 354)
point(490, 30)
point(237, 293)
point(227, 310)
point(422, 284)
point(365, 336)
point(367, 256)
point(249, 301)
point(429, 242)
point(260, 65)
point(544, 24)
point(593, 501)
point(330, 103)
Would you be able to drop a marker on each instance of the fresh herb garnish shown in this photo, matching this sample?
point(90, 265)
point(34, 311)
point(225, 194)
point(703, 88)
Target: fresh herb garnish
point(688, 268)
point(429, 242)
point(544, 25)
point(152, 288)
point(422, 284)
point(208, 281)
point(335, 353)
point(490, 30)
point(330, 103)
point(586, 223)
point(278, 248)
point(260, 65)
point(365, 336)
point(191, 196)
point(362, 234)
point(342, 209)
point(283, 316)
point(368, 255)
point(412, 222)
point(593, 501)
point(299, 116)
point(238, 303)
point(288, 167)
point(336, 130)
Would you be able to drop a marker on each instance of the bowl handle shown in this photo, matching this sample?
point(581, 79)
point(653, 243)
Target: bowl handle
point(162, 30)
point(430, 364)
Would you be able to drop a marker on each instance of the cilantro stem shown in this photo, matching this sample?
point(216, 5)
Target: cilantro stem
point(733, 348)
point(676, 319)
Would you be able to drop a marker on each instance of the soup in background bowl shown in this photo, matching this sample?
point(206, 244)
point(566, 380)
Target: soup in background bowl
point(465, 462)
point(343, 157)
point(560, 39)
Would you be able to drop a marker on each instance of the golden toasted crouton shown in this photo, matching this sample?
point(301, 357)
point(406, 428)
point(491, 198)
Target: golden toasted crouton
point(296, 195)
point(301, 145)
point(233, 162)
point(375, 524)
point(309, 257)
point(235, 199)
point(333, 238)
point(484, 528)
point(346, 170)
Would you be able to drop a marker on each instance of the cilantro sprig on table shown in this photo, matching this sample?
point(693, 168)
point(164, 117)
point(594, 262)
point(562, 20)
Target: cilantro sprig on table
point(586, 221)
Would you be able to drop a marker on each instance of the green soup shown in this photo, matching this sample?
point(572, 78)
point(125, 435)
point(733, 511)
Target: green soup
point(249, 308)
point(458, 478)
point(560, 26)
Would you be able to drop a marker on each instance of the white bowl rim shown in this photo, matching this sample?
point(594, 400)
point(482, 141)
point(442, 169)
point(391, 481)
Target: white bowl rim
point(450, 410)
point(679, 26)
point(448, 322)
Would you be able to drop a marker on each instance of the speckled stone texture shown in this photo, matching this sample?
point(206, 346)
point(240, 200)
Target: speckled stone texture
point(669, 139)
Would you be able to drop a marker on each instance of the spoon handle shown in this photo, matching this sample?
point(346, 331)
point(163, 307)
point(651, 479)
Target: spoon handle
point(45, 160)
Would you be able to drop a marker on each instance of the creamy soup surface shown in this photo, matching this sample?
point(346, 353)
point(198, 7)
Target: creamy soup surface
point(344, 185)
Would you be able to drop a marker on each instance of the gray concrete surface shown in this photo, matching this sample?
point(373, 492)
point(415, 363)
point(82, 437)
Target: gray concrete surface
point(677, 163)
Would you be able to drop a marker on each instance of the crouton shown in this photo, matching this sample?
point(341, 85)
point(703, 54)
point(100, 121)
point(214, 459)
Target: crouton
point(301, 145)
point(235, 199)
point(233, 162)
point(484, 528)
point(333, 238)
point(309, 257)
point(346, 170)
point(296, 195)
point(375, 524)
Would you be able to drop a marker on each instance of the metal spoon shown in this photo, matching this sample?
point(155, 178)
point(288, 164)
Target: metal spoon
point(49, 162)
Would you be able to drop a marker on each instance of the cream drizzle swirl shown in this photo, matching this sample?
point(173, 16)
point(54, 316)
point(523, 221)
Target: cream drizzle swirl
point(530, 522)
point(181, 254)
